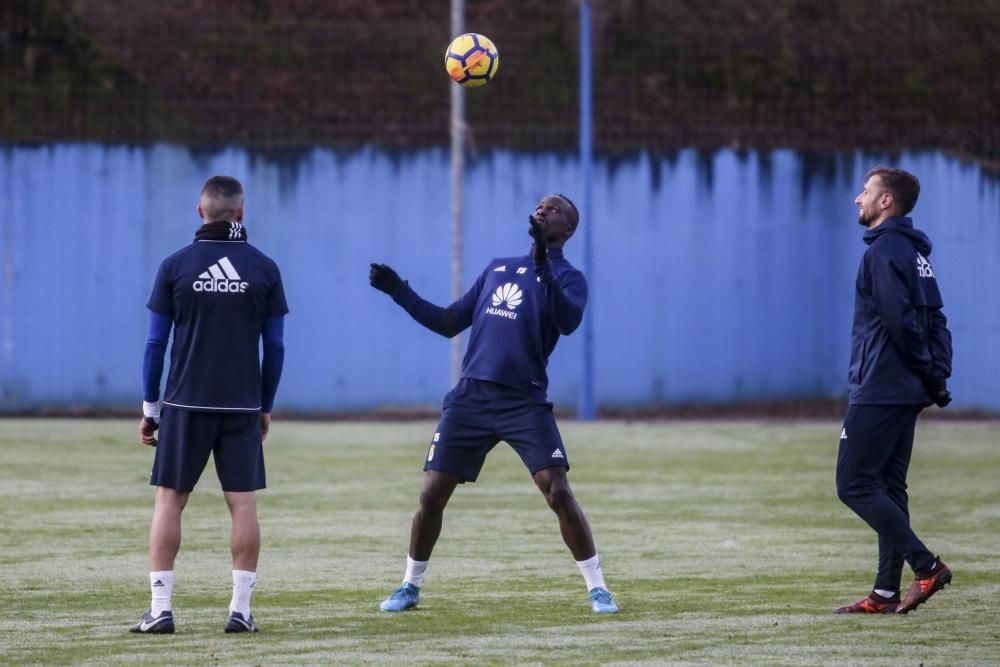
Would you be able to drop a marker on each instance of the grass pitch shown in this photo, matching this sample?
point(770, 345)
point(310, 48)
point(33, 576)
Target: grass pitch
point(724, 543)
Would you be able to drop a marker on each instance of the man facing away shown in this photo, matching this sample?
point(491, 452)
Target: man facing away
point(900, 362)
point(221, 296)
point(517, 308)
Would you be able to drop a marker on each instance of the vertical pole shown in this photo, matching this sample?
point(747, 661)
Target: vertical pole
point(586, 407)
point(457, 168)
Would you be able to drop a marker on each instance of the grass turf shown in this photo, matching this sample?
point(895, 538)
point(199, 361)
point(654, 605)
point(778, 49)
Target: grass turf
point(723, 543)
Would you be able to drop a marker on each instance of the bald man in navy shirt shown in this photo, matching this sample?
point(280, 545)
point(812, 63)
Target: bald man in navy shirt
point(222, 297)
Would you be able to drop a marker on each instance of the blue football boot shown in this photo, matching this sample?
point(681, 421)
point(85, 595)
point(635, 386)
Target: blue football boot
point(601, 602)
point(403, 598)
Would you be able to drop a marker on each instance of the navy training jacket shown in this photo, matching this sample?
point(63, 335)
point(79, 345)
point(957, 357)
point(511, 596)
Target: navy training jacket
point(517, 314)
point(900, 336)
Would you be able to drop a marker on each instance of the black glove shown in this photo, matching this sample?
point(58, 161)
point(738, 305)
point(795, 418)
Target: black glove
point(541, 251)
point(937, 389)
point(384, 279)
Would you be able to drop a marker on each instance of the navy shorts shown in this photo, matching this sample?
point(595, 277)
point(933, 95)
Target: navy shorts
point(187, 439)
point(479, 414)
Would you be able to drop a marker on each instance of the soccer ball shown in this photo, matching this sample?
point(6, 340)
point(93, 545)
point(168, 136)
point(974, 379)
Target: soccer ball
point(472, 60)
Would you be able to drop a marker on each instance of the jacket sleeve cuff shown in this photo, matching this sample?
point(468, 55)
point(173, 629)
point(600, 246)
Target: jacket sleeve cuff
point(151, 410)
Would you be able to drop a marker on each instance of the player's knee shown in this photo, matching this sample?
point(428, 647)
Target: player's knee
point(843, 480)
point(559, 497)
point(842, 488)
point(170, 499)
point(241, 502)
point(849, 490)
point(432, 501)
point(843, 494)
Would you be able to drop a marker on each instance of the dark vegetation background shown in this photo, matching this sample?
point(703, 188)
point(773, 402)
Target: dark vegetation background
point(815, 75)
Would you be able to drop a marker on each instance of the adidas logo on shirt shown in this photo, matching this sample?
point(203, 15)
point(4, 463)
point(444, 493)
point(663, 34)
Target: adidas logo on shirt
point(558, 454)
point(220, 277)
point(507, 297)
point(843, 433)
point(924, 267)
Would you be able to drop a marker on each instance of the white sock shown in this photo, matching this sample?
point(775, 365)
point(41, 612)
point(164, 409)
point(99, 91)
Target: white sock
point(161, 584)
point(243, 581)
point(415, 570)
point(881, 592)
point(591, 571)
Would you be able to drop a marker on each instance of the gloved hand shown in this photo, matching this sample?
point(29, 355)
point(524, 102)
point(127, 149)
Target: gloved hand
point(937, 389)
point(384, 279)
point(540, 255)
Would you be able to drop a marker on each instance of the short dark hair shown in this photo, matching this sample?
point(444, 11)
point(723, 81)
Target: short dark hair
point(225, 187)
point(221, 199)
point(569, 201)
point(904, 186)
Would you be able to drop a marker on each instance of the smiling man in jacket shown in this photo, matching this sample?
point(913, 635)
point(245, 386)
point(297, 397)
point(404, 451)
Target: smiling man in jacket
point(900, 362)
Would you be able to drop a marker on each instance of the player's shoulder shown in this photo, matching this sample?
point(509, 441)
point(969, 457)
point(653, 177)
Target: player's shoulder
point(253, 257)
point(561, 266)
point(261, 255)
point(891, 247)
point(178, 256)
point(565, 264)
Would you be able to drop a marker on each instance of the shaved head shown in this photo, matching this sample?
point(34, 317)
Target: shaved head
point(222, 199)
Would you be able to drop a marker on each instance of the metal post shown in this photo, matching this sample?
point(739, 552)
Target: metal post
point(457, 168)
point(586, 407)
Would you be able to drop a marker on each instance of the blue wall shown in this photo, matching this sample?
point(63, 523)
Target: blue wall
point(718, 277)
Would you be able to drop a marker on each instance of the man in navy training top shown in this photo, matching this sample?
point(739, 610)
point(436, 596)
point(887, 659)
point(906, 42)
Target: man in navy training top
point(221, 295)
point(900, 362)
point(518, 308)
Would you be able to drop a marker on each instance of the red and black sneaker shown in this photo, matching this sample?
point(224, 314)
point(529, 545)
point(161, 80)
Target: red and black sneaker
point(924, 586)
point(873, 604)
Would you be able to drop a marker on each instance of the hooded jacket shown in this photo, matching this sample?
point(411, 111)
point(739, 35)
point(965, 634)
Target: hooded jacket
point(900, 337)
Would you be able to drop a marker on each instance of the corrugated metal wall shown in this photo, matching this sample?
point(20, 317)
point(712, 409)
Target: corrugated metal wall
point(719, 277)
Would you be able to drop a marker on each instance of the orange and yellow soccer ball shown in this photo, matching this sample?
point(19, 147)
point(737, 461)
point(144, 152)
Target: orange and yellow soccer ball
point(472, 60)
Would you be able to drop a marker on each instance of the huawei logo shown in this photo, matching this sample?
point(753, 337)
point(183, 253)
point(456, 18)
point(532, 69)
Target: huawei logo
point(508, 295)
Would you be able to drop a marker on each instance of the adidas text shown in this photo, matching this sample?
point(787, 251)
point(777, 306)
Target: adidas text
point(924, 267)
point(220, 277)
point(220, 286)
